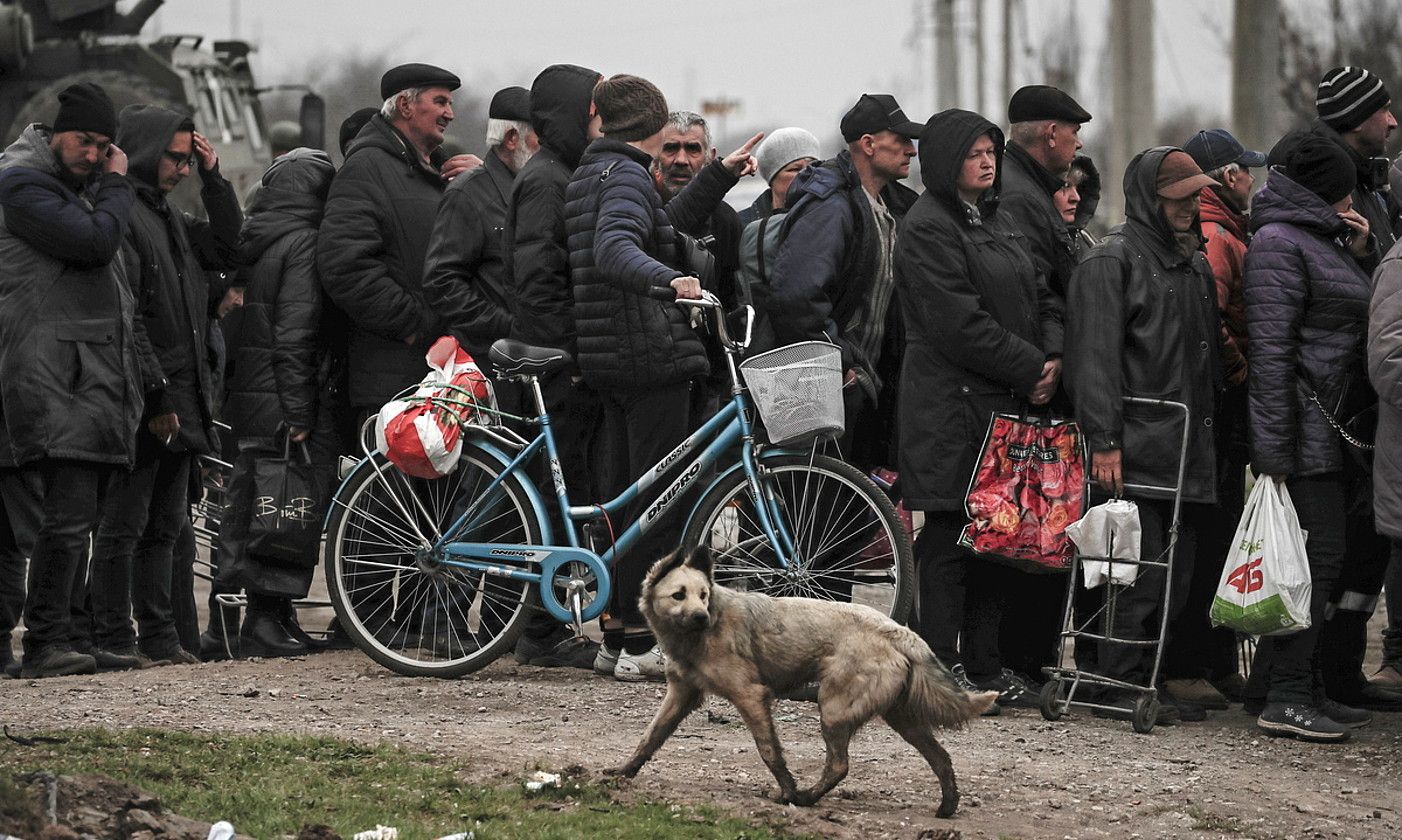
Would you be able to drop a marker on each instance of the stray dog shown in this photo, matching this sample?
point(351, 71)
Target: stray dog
point(746, 647)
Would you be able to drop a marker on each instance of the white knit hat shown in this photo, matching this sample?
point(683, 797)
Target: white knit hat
point(782, 147)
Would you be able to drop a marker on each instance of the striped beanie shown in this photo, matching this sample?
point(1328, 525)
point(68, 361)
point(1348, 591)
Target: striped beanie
point(1348, 96)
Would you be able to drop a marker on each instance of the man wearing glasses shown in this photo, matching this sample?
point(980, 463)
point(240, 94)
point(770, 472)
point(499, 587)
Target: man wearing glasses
point(167, 254)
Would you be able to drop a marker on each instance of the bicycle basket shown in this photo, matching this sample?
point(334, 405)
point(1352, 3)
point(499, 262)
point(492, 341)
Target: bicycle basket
point(797, 389)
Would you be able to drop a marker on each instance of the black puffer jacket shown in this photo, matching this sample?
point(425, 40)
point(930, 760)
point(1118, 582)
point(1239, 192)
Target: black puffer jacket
point(622, 247)
point(370, 254)
point(1306, 315)
point(533, 236)
point(1027, 203)
point(289, 347)
point(979, 321)
point(70, 384)
point(464, 277)
point(1141, 321)
point(167, 255)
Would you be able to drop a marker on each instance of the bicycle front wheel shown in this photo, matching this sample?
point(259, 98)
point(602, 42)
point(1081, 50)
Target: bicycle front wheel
point(847, 541)
point(406, 608)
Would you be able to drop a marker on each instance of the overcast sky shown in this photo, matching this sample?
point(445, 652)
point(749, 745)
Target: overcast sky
point(788, 62)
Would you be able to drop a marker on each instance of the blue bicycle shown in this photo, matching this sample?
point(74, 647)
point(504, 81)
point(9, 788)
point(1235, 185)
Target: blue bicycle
point(438, 578)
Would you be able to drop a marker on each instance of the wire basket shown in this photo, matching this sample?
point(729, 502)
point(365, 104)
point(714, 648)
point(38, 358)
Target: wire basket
point(797, 389)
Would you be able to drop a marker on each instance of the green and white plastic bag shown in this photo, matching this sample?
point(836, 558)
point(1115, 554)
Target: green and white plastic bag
point(1265, 585)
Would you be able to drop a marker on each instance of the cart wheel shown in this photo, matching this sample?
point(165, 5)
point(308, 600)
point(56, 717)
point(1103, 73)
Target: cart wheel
point(1146, 712)
point(1051, 700)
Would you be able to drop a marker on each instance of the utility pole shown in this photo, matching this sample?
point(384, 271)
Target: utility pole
point(946, 56)
point(1008, 42)
point(980, 95)
point(1257, 104)
point(1131, 40)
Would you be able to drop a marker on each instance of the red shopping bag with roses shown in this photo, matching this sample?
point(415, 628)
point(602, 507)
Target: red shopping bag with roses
point(1028, 485)
point(420, 431)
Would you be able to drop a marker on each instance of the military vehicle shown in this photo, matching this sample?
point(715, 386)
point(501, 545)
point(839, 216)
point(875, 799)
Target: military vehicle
point(47, 45)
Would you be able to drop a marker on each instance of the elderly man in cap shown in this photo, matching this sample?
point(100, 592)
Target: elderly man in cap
point(66, 203)
point(832, 276)
point(375, 232)
point(1043, 138)
point(1141, 319)
point(464, 278)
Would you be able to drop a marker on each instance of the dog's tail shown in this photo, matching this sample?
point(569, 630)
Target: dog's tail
point(933, 696)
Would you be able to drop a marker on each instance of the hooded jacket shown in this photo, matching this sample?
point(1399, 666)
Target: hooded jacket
point(1082, 240)
point(1026, 202)
point(1306, 310)
point(1385, 371)
point(70, 384)
point(370, 255)
point(1224, 232)
point(622, 247)
point(168, 256)
point(464, 270)
point(1141, 321)
point(536, 256)
point(827, 263)
point(287, 363)
point(979, 320)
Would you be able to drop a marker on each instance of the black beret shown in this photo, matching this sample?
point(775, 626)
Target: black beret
point(512, 103)
point(407, 76)
point(1044, 102)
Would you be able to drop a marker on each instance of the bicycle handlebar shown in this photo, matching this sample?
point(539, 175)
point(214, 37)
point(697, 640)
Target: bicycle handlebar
point(709, 301)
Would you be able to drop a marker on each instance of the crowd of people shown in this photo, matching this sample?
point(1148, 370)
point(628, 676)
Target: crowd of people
point(1274, 315)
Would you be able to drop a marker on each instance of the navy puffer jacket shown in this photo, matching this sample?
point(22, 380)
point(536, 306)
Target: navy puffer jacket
point(1306, 312)
point(622, 246)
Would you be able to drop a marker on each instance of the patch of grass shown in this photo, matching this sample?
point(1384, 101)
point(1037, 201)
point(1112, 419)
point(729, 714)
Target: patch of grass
point(270, 785)
point(1204, 820)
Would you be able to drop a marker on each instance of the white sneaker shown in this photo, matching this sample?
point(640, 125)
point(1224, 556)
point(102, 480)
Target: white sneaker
point(606, 660)
point(641, 667)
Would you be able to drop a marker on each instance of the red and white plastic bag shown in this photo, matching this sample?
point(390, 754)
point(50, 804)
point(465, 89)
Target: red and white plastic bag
point(421, 432)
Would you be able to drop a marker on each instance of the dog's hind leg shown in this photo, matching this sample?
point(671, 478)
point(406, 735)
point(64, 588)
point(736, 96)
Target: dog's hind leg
point(681, 700)
point(836, 735)
point(753, 706)
point(922, 737)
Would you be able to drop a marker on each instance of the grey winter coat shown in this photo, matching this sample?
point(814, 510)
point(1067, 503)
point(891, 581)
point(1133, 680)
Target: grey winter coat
point(1306, 307)
point(70, 382)
point(1385, 370)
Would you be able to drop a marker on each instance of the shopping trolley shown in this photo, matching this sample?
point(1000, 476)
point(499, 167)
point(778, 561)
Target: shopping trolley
point(1059, 694)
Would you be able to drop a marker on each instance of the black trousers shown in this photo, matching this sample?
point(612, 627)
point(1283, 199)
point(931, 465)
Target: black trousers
point(639, 428)
point(1029, 636)
point(70, 497)
point(1344, 637)
point(1392, 633)
point(17, 531)
point(961, 597)
point(134, 552)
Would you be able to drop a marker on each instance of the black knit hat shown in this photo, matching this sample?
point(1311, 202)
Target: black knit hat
point(1322, 166)
point(631, 107)
point(86, 107)
point(352, 125)
point(512, 103)
point(1349, 95)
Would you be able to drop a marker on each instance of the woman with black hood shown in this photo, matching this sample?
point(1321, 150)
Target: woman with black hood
point(285, 382)
point(982, 336)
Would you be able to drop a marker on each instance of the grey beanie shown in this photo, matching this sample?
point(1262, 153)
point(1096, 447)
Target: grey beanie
point(782, 147)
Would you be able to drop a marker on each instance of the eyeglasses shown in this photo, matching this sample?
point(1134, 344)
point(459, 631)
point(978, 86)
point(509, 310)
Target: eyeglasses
point(180, 160)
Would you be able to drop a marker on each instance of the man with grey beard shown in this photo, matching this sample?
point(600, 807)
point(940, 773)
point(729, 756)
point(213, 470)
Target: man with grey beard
point(464, 278)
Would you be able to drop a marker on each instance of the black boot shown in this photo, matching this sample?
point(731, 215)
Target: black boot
point(263, 633)
point(220, 640)
point(289, 623)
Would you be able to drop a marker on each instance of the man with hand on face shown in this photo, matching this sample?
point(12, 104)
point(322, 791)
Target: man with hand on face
point(66, 203)
point(167, 256)
point(1141, 319)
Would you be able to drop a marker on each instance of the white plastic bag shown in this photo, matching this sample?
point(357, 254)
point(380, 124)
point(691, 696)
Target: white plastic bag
point(1265, 585)
point(1108, 531)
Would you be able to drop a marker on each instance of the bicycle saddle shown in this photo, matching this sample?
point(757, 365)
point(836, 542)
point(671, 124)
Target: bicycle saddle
point(515, 358)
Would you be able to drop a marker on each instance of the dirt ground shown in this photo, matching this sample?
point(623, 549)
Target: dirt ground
point(1021, 777)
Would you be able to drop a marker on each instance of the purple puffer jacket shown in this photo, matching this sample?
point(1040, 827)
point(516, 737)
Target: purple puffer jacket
point(1306, 313)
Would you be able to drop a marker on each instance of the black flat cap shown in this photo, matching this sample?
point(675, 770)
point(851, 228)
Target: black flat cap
point(407, 76)
point(1044, 102)
point(875, 113)
point(512, 103)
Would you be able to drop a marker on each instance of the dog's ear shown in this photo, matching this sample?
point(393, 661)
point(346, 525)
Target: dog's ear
point(702, 560)
point(660, 569)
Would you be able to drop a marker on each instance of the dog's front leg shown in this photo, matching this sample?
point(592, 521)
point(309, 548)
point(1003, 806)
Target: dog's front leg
point(753, 706)
point(681, 700)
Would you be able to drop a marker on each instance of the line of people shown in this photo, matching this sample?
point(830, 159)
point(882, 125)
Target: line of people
point(986, 292)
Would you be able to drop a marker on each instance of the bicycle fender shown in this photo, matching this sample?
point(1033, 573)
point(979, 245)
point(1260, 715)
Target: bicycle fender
point(549, 559)
point(768, 453)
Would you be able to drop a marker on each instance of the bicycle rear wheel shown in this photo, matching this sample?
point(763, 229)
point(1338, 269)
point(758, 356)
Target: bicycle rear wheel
point(401, 605)
point(849, 542)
